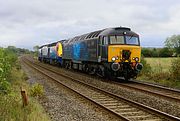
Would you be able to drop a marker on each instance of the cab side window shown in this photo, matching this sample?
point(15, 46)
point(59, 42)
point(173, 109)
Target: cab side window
point(105, 41)
point(101, 40)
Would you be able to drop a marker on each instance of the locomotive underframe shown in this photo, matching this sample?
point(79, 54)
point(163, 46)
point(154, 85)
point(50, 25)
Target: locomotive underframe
point(103, 69)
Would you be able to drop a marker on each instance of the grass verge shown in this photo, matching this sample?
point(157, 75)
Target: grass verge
point(162, 71)
point(11, 107)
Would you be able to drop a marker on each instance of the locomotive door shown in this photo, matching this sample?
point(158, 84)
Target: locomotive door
point(103, 44)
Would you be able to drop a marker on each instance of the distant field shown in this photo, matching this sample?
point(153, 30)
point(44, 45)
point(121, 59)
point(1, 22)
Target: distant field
point(160, 64)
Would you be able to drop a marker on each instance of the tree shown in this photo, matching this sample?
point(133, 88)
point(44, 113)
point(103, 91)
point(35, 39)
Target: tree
point(173, 43)
point(12, 49)
point(150, 52)
point(165, 52)
point(146, 52)
point(155, 52)
point(35, 48)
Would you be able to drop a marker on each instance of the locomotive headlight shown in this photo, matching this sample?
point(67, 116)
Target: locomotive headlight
point(136, 59)
point(113, 58)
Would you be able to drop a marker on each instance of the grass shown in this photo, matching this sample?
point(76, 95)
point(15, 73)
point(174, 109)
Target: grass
point(11, 108)
point(160, 63)
point(161, 73)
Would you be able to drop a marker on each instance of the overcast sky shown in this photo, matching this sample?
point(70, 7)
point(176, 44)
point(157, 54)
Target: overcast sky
point(26, 23)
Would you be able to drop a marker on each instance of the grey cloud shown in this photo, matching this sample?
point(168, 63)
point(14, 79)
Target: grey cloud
point(40, 21)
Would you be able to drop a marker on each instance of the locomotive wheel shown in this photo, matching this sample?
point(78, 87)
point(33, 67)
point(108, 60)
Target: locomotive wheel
point(51, 62)
point(67, 66)
point(101, 71)
point(92, 70)
point(87, 69)
point(83, 68)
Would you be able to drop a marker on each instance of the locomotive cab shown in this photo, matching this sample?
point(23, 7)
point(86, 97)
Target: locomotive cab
point(120, 52)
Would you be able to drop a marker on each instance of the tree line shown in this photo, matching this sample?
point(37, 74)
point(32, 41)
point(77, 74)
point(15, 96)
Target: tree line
point(18, 51)
point(157, 52)
point(171, 49)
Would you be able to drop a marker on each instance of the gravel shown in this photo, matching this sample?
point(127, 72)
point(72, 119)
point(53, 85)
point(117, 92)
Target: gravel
point(169, 107)
point(62, 104)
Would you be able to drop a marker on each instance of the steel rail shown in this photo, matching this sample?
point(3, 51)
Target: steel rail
point(152, 110)
point(159, 94)
point(162, 95)
point(57, 81)
point(156, 86)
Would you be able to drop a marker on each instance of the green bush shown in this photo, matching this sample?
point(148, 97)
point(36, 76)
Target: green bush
point(37, 90)
point(11, 78)
point(7, 61)
point(147, 70)
point(5, 87)
point(175, 68)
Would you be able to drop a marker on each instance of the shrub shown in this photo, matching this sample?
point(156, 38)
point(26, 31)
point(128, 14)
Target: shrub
point(175, 68)
point(147, 70)
point(146, 52)
point(5, 87)
point(158, 74)
point(37, 90)
point(5, 69)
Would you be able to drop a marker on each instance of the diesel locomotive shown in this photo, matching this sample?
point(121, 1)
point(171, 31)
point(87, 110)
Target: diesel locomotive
point(111, 52)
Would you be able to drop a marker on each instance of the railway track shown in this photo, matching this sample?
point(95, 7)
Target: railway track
point(123, 108)
point(151, 89)
point(163, 92)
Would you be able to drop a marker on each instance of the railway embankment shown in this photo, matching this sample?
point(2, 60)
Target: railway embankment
point(12, 85)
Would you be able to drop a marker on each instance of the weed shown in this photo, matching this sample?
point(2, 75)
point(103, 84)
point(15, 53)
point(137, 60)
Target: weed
point(146, 68)
point(12, 109)
point(37, 90)
point(11, 79)
point(11, 104)
point(165, 71)
point(175, 69)
point(5, 87)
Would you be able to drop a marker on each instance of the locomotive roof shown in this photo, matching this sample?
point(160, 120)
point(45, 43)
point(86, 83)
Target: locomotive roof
point(96, 34)
point(104, 32)
point(42, 46)
point(48, 45)
point(52, 44)
point(62, 40)
point(118, 31)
